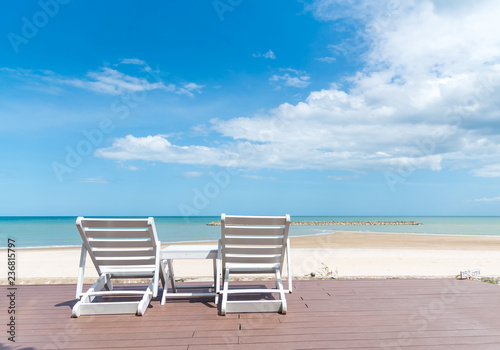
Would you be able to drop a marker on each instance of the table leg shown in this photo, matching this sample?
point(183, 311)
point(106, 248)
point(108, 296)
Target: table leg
point(165, 285)
point(172, 277)
point(216, 280)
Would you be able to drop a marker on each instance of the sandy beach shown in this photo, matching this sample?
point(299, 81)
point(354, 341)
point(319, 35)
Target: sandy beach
point(339, 255)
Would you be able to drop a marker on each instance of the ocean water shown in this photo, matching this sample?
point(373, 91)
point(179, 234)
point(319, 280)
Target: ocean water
point(61, 231)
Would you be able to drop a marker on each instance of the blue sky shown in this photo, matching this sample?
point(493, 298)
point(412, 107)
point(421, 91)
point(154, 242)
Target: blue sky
point(317, 107)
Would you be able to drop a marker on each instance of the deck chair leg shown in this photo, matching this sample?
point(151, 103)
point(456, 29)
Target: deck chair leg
point(109, 285)
point(81, 272)
point(165, 286)
point(172, 276)
point(157, 273)
point(218, 273)
point(97, 286)
point(163, 274)
point(289, 266)
point(86, 298)
point(224, 293)
point(279, 285)
point(216, 280)
point(146, 299)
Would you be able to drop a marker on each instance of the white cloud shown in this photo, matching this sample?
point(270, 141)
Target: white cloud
point(158, 148)
point(326, 59)
point(343, 178)
point(113, 82)
point(259, 178)
point(191, 175)
point(189, 88)
point(426, 98)
point(492, 199)
point(96, 180)
point(137, 62)
point(105, 80)
point(122, 164)
point(269, 54)
point(296, 79)
point(492, 170)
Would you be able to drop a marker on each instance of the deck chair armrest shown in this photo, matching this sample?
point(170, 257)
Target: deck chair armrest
point(289, 265)
point(81, 272)
point(157, 270)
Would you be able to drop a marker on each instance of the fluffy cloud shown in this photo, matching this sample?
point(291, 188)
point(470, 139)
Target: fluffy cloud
point(158, 148)
point(426, 98)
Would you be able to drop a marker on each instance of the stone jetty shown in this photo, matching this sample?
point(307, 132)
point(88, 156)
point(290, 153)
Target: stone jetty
point(340, 223)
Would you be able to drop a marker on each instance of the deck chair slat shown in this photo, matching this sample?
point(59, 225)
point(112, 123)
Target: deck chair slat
point(252, 259)
point(254, 230)
point(254, 220)
point(123, 252)
point(253, 250)
point(118, 233)
point(131, 261)
point(114, 223)
point(274, 240)
point(120, 243)
point(120, 272)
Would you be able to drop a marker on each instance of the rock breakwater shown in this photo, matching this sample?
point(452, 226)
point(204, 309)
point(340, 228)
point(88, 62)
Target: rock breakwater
point(340, 223)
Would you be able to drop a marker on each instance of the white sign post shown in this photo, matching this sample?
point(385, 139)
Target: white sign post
point(470, 273)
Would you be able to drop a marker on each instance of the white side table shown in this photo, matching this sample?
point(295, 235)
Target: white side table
point(186, 251)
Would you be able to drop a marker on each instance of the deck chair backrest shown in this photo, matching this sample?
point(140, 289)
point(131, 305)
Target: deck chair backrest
point(252, 240)
point(121, 245)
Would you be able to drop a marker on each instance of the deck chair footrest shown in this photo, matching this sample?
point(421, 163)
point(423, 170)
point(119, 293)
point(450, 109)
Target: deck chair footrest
point(109, 308)
point(117, 293)
point(253, 306)
point(190, 294)
point(195, 286)
point(250, 291)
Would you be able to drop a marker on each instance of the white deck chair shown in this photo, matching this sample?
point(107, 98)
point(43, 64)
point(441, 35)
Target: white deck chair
point(254, 245)
point(119, 248)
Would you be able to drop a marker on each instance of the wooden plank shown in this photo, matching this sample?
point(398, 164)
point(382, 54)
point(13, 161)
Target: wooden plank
point(428, 314)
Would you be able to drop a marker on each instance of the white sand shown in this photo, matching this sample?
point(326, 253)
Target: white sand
point(346, 254)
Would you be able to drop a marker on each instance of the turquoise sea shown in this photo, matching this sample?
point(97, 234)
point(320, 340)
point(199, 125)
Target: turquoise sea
point(61, 230)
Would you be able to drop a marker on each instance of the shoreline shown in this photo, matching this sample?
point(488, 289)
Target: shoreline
point(343, 254)
point(291, 237)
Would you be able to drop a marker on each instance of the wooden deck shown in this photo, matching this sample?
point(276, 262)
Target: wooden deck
point(323, 314)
